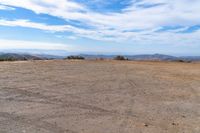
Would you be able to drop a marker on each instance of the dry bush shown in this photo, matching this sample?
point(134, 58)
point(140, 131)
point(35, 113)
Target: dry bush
point(75, 58)
point(119, 57)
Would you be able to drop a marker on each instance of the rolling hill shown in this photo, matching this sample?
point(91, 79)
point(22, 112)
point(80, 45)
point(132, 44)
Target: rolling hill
point(18, 57)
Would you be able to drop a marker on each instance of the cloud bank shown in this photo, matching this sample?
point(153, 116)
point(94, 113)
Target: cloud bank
point(16, 44)
point(142, 21)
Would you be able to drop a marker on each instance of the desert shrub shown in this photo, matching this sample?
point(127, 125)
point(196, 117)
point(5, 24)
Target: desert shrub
point(183, 61)
point(180, 61)
point(75, 58)
point(119, 57)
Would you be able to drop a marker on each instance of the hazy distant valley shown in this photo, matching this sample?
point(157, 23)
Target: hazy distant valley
point(145, 57)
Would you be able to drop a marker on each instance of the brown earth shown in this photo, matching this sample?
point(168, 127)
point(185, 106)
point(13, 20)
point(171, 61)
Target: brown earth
point(99, 97)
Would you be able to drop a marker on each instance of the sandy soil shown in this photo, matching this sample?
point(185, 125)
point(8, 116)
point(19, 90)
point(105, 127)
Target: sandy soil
point(99, 97)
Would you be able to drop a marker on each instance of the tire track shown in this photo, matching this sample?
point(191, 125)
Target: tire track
point(21, 94)
point(53, 128)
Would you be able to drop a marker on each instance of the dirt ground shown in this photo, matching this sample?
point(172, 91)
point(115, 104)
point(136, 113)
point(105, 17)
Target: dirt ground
point(99, 97)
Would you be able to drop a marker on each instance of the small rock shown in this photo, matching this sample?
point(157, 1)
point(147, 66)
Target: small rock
point(174, 124)
point(183, 116)
point(146, 125)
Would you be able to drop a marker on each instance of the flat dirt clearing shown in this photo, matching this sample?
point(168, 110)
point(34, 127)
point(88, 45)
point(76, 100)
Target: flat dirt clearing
point(99, 97)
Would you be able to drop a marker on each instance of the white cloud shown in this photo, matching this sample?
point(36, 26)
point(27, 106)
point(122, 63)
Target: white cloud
point(3, 7)
point(12, 45)
point(17, 44)
point(29, 24)
point(149, 36)
point(171, 12)
point(111, 26)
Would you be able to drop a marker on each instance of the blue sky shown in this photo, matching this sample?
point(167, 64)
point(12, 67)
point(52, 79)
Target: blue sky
point(101, 26)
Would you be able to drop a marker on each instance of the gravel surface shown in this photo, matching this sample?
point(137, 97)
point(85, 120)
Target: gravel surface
point(99, 97)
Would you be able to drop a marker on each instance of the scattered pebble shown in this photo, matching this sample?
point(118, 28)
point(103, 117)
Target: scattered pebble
point(183, 116)
point(146, 125)
point(174, 124)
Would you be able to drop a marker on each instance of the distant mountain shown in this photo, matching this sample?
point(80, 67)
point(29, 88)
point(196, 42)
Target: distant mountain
point(146, 57)
point(87, 56)
point(190, 58)
point(154, 57)
point(37, 52)
point(18, 57)
point(159, 57)
point(46, 56)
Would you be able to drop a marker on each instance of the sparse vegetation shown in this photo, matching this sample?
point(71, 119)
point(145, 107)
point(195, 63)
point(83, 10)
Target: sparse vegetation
point(183, 61)
point(180, 60)
point(11, 59)
point(119, 57)
point(18, 57)
point(75, 58)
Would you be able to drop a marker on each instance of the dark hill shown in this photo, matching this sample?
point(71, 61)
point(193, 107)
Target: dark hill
point(156, 57)
point(18, 57)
